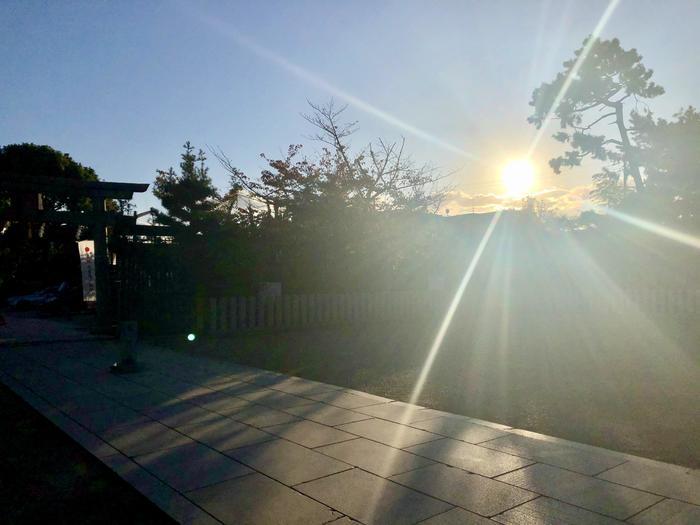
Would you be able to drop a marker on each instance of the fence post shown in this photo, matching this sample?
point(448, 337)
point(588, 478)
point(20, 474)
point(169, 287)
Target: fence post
point(303, 309)
point(262, 314)
point(295, 310)
point(199, 314)
point(336, 299)
point(277, 306)
point(242, 317)
point(252, 313)
point(222, 315)
point(269, 312)
point(286, 311)
point(232, 314)
point(212, 315)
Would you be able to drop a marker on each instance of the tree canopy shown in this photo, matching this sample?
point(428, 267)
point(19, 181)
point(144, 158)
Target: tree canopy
point(380, 177)
point(29, 260)
point(32, 160)
point(669, 150)
point(601, 78)
point(190, 198)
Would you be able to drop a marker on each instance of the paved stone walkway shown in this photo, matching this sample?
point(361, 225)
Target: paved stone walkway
point(212, 442)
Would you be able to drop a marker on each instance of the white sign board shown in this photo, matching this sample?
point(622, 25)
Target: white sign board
point(87, 268)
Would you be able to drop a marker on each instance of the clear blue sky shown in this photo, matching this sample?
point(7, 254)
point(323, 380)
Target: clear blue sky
point(121, 85)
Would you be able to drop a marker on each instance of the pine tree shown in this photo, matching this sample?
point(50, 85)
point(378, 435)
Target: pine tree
point(190, 199)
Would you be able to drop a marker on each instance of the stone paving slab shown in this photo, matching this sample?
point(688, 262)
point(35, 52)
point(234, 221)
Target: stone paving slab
point(343, 399)
point(180, 414)
point(287, 462)
point(141, 438)
point(652, 476)
point(274, 399)
point(670, 512)
point(459, 428)
point(326, 414)
point(219, 401)
point(457, 516)
point(469, 457)
point(148, 400)
point(557, 454)
point(549, 511)
point(101, 420)
point(93, 444)
point(302, 387)
point(117, 388)
point(208, 434)
point(344, 521)
point(239, 388)
point(86, 402)
point(392, 434)
point(220, 382)
point(191, 466)
point(590, 493)
point(309, 434)
point(371, 499)
point(374, 457)
point(472, 492)
point(225, 434)
point(378, 399)
point(172, 502)
point(257, 500)
point(397, 412)
point(258, 415)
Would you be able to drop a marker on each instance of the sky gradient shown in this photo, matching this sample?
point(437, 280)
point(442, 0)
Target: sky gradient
point(122, 85)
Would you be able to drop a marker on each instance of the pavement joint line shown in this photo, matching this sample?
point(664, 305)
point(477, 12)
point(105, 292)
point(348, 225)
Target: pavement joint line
point(666, 498)
point(120, 453)
point(441, 437)
point(441, 513)
point(608, 468)
point(162, 481)
point(29, 361)
point(536, 494)
point(591, 477)
point(130, 458)
point(542, 496)
point(353, 438)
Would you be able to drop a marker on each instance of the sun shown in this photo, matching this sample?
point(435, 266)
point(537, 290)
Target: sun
point(518, 176)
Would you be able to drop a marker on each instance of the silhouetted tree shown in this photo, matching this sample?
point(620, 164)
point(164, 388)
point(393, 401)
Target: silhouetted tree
point(607, 77)
point(380, 177)
point(48, 254)
point(670, 154)
point(22, 161)
point(190, 199)
point(342, 219)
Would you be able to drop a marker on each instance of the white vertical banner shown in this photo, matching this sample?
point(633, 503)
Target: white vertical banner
point(87, 268)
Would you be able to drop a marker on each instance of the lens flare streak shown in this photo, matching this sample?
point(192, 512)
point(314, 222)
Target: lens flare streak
point(447, 320)
point(656, 229)
point(574, 72)
point(319, 82)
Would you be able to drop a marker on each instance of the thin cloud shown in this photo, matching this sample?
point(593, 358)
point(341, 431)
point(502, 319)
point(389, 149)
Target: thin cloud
point(561, 201)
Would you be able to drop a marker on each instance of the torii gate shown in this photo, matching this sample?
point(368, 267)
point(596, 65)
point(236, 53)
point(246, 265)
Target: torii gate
point(27, 206)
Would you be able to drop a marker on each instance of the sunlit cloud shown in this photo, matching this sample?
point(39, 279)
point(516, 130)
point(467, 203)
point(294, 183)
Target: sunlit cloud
point(560, 201)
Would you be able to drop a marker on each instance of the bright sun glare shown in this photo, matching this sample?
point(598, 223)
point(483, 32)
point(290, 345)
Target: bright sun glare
point(518, 176)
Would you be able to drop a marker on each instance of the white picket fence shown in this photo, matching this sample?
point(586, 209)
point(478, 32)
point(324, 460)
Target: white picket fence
point(222, 315)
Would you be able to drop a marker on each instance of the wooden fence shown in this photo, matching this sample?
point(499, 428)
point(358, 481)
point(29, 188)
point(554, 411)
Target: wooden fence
point(230, 314)
point(222, 315)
